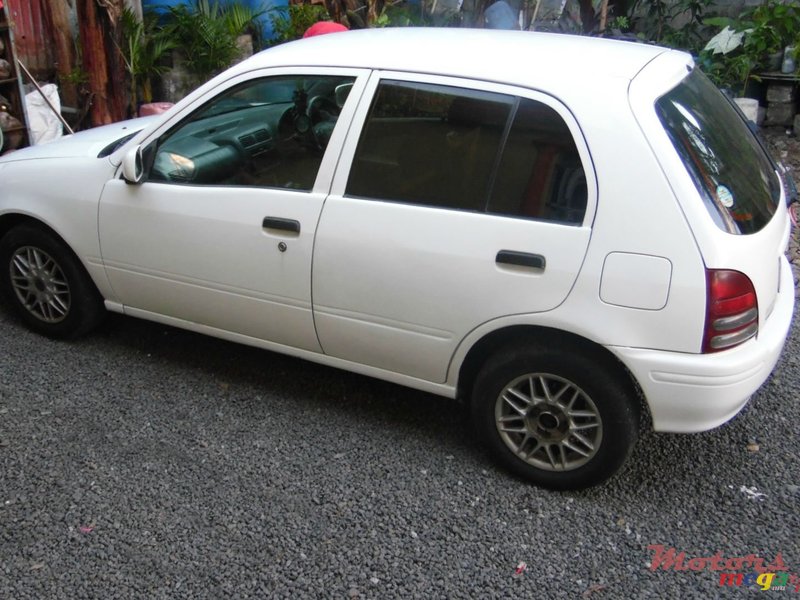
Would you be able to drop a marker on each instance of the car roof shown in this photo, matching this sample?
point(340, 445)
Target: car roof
point(514, 57)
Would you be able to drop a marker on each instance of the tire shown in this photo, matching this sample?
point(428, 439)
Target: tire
point(45, 283)
point(562, 418)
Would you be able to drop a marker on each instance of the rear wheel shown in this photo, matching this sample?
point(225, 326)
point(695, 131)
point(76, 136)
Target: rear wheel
point(559, 417)
point(46, 284)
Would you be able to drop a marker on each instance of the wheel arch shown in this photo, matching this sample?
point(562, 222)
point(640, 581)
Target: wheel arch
point(9, 221)
point(498, 339)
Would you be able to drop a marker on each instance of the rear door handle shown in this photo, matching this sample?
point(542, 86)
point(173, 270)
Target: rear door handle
point(283, 224)
point(521, 259)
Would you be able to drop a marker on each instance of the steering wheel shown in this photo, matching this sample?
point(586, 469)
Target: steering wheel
point(322, 112)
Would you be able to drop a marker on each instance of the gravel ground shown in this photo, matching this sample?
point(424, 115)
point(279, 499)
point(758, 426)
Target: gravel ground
point(148, 462)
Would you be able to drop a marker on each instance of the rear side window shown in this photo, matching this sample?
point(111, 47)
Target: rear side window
point(430, 144)
point(730, 169)
point(456, 148)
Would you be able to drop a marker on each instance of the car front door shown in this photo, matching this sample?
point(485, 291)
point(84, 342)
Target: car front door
point(221, 231)
point(457, 203)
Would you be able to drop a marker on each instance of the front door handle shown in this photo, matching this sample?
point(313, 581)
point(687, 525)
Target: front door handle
point(521, 259)
point(283, 224)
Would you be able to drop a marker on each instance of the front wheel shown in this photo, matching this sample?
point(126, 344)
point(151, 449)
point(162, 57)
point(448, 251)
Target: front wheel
point(46, 284)
point(559, 417)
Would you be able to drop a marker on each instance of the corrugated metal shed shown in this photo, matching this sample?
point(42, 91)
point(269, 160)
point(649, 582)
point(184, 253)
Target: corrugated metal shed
point(33, 34)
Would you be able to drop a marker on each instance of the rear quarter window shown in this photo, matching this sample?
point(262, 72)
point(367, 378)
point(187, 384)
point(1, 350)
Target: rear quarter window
point(733, 175)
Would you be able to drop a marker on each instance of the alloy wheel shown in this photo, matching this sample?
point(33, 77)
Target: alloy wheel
point(548, 422)
point(40, 284)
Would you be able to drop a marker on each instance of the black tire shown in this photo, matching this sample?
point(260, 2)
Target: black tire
point(536, 432)
point(45, 283)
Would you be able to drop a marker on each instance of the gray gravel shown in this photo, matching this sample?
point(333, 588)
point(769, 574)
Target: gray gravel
point(149, 462)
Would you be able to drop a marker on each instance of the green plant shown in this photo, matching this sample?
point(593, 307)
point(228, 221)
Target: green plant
point(144, 47)
point(76, 76)
point(394, 14)
point(207, 31)
point(743, 46)
point(678, 23)
point(290, 22)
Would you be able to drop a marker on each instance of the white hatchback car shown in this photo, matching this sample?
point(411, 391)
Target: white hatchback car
point(552, 227)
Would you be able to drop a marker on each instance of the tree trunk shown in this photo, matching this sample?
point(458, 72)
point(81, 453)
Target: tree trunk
point(587, 15)
point(100, 42)
point(64, 49)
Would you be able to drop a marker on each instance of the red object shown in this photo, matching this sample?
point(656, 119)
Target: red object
point(322, 28)
point(154, 108)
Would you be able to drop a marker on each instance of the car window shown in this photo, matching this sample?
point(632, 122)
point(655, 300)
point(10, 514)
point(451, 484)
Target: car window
point(540, 174)
point(733, 175)
point(269, 132)
point(430, 144)
point(466, 149)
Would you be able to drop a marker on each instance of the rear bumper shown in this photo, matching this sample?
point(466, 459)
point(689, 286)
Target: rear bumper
point(687, 393)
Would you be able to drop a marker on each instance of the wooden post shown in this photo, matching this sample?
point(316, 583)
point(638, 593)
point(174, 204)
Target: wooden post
point(64, 46)
point(100, 42)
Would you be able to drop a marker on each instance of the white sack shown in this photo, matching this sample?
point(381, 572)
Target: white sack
point(43, 123)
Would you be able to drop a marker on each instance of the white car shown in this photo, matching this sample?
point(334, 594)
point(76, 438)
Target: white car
point(564, 231)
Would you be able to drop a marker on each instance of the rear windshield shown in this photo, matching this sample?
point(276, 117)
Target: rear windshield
point(734, 176)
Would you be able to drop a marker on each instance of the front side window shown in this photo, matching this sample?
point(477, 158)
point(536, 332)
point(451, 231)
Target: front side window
point(269, 132)
point(730, 169)
point(456, 148)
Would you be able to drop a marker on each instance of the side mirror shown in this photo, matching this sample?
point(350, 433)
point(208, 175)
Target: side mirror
point(132, 166)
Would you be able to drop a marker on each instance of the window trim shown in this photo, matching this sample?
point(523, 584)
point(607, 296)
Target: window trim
point(347, 156)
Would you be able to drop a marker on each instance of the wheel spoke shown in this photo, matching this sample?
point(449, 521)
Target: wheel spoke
point(563, 453)
point(37, 258)
point(572, 400)
point(559, 393)
point(58, 304)
point(583, 426)
point(548, 449)
point(583, 440)
point(548, 398)
point(529, 454)
point(575, 448)
point(522, 429)
point(510, 418)
point(22, 284)
point(584, 414)
point(21, 264)
point(522, 402)
point(47, 310)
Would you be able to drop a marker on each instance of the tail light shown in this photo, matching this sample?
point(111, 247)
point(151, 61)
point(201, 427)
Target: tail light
point(731, 310)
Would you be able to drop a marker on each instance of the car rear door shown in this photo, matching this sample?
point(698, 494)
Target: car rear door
point(455, 203)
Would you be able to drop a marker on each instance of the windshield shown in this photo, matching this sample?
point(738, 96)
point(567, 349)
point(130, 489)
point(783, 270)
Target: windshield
point(733, 175)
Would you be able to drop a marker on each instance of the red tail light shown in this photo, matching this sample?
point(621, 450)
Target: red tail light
point(731, 310)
